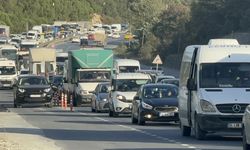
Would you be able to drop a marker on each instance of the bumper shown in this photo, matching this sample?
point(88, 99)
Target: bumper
point(85, 98)
point(219, 122)
point(103, 106)
point(6, 84)
point(122, 107)
point(152, 115)
point(24, 98)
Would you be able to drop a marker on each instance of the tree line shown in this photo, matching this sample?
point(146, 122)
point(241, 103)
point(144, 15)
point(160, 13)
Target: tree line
point(164, 27)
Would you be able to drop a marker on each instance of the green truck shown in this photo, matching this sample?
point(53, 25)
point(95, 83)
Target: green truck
point(84, 70)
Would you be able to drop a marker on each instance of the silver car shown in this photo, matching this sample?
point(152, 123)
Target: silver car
point(246, 129)
point(99, 100)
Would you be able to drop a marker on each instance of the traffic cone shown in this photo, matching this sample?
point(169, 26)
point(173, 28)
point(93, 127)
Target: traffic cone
point(71, 103)
point(62, 100)
point(65, 101)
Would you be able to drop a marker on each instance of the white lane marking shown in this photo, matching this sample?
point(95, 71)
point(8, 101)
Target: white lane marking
point(144, 132)
point(150, 134)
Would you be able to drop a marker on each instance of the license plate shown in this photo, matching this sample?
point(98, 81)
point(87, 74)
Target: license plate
point(35, 95)
point(234, 125)
point(6, 85)
point(166, 114)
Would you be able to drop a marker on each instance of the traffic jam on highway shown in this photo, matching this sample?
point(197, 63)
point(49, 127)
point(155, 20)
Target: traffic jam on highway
point(210, 95)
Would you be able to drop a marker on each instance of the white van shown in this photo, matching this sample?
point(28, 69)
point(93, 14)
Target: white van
point(126, 65)
point(123, 89)
point(8, 73)
point(214, 87)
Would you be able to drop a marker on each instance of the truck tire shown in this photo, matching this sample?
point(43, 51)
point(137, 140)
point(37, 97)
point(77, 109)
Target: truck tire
point(185, 131)
point(245, 145)
point(199, 133)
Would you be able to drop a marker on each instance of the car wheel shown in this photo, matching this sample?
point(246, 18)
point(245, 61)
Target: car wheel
point(185, 131)
point(133, 119)
point(140, 119)
point(245, 145)
point(199, 134)
point(96, 109)
point(111, 113)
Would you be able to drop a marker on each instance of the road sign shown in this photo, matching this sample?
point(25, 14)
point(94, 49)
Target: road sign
point(157, 60)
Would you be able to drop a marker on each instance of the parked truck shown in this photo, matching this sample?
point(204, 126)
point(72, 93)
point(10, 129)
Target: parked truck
point(98, 38)
point(87, 68)
point(8, 73)
point(42, 61)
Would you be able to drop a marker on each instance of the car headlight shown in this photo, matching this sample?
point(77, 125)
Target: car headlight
point(21, 90)
point(83, 92)
point(104, 99)
point(207, 106)
point(146, 106)
point(121, 97)
point(47, 90)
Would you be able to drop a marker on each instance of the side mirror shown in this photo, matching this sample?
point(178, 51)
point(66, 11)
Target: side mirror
point(54, 87)
point(191, 85)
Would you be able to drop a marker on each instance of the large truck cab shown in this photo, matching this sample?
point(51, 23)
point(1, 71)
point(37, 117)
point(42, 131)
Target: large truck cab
point(214, 87)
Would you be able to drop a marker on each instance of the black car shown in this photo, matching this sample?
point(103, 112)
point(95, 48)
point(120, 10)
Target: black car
point(155, 102)
point(32, 89)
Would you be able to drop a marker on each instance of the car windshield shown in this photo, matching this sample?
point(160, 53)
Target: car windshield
point(33, 81)
point(24, 72)
point(126, 85)
point(7, 70)
point(225, 75)
point(104, 89)
point(126, 69)
point(93, 76)
point(57, 80)
point(168, 81)
point(11, 54)
point(160, 92)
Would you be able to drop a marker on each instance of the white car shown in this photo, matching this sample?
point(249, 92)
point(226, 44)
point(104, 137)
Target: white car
point(116, 35)
point(75, 40)
point(246, 129)
point(123, 89)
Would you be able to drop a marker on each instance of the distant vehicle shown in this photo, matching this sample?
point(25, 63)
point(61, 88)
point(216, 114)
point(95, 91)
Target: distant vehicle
point(155, 102)
point(8, 51)
point(4, 30)
point(57, 80)
point(42, 61)
point(4, 40)
point(123, 88)
point(126, 65)
point(213, 91)
point(246, 129)
point(116, 35)
point(32, 89)
point(116, 27)
point(32, 34)
point(75, 40)
point(170, 81)
point(15, 41)
point(8, 73)
point(99, 100)
point(24, 71)
point(161, 77)
point(61, 57)
point(26, 45)
point(128, 36)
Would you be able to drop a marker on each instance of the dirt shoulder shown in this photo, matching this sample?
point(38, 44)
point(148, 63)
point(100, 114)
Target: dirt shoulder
point(17, 134)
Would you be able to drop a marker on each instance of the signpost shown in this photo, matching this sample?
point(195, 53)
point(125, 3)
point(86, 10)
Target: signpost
point(157, 61)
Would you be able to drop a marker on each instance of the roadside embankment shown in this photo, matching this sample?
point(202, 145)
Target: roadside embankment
point(17, 134)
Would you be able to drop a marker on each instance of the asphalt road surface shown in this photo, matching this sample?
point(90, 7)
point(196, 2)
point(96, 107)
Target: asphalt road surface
point(83, 129)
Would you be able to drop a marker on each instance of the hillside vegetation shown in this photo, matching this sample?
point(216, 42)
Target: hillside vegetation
point(164, 27)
